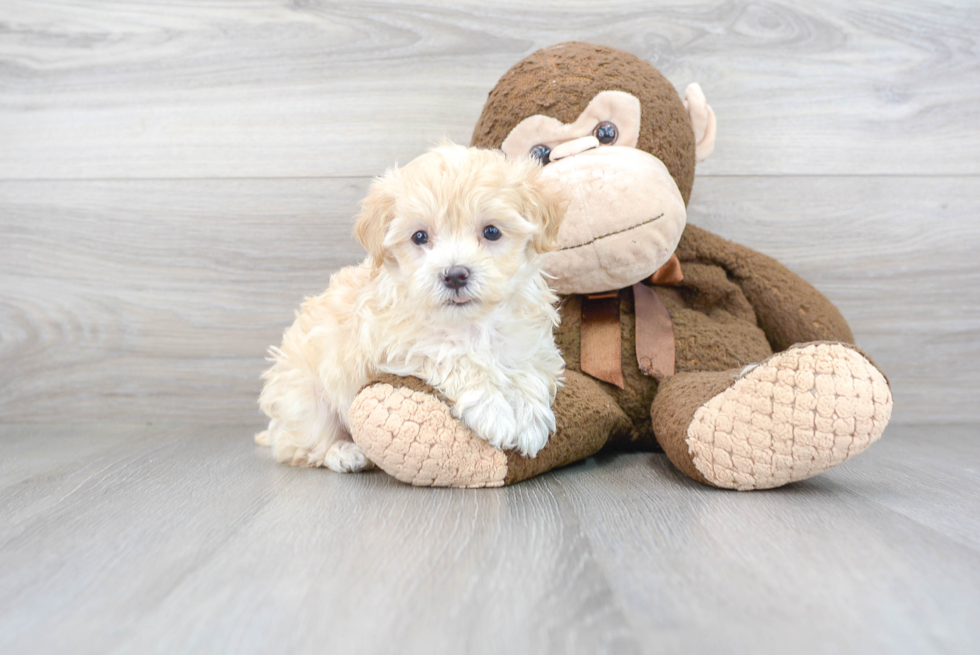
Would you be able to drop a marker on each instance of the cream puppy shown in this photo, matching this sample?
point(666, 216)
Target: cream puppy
point(451, 292)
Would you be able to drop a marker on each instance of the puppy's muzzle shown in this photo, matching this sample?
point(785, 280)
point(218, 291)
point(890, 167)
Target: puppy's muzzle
point(456, 277)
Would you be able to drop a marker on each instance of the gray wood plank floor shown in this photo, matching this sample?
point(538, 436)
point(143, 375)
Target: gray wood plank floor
point(180, 539)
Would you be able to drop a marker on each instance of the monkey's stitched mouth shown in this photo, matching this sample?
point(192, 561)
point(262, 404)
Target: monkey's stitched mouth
point(625, 229)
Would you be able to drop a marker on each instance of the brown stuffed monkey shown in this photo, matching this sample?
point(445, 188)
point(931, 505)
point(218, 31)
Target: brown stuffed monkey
point(738, 369)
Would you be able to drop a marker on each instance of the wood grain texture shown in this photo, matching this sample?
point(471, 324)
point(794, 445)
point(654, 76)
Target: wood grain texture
point(178, 539)
point(135, 300)
point(270, 89)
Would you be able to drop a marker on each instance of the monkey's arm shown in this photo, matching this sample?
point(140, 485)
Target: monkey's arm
point(789, 310)
point(407, 428)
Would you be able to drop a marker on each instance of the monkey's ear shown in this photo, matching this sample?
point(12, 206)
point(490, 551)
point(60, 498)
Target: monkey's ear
point(544, 206)
point(702, 120)
point(377, 212)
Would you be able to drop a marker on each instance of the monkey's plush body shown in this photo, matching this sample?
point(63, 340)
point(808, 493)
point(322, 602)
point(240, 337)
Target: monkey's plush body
point(741, 371)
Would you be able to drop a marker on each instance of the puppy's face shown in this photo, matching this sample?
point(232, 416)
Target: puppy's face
point(458, 226)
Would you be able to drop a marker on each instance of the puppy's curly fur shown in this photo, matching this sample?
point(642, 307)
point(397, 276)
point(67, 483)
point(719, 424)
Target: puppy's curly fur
point(483, 335)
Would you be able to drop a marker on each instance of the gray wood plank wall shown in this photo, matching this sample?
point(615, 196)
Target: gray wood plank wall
point(174, 178)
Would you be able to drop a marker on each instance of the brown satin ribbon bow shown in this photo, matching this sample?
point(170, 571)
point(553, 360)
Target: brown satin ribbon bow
point(601, 348)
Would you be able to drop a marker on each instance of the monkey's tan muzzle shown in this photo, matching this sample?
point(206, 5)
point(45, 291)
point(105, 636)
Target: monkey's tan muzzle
point(625, 216)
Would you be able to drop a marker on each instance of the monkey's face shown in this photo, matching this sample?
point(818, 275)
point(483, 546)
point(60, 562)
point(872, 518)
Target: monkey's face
point(625, 212)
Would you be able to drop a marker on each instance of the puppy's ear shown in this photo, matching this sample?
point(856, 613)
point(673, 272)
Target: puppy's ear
point(377, 212)
point(544, 206)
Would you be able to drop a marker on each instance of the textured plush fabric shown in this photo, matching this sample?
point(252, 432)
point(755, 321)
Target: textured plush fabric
point(717, 332)
point(734, 307)
point(408, 431)
point(801, 412)
point(587, 418)
point(678, 398)
point(788, 309)
point(414, 384)
point(702, 120)
point(560, 81)
point(624, 224)
point(623, 109)
point(718, 311)
point(406, 427)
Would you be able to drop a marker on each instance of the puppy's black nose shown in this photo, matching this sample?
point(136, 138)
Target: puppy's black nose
point(455, 277)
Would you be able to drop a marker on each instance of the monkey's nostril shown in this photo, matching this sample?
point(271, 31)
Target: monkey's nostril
point(455, 277)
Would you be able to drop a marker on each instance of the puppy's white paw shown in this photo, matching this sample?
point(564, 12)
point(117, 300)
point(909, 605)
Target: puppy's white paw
point(537, 422)
point(508, 424)
point(490, 416)
point(342, 457)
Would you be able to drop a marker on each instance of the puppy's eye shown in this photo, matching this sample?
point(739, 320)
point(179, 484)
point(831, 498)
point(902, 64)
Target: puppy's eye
point(420, 238)
point(491, 233)
point(542, 153)
point(606, 132)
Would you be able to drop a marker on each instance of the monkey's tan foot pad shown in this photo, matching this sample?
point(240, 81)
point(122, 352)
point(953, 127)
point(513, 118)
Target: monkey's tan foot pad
point(413, 436)
point(797, 414)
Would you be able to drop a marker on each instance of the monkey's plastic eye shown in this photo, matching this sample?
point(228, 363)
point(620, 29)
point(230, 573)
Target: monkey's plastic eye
point(420, 238)
point(606, 132)
point(491, 233)
point(542, 153)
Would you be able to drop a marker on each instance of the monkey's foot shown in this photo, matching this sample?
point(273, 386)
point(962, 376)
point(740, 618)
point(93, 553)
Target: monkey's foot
point(412, 435)
point(797, 414)
point(406, 427)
